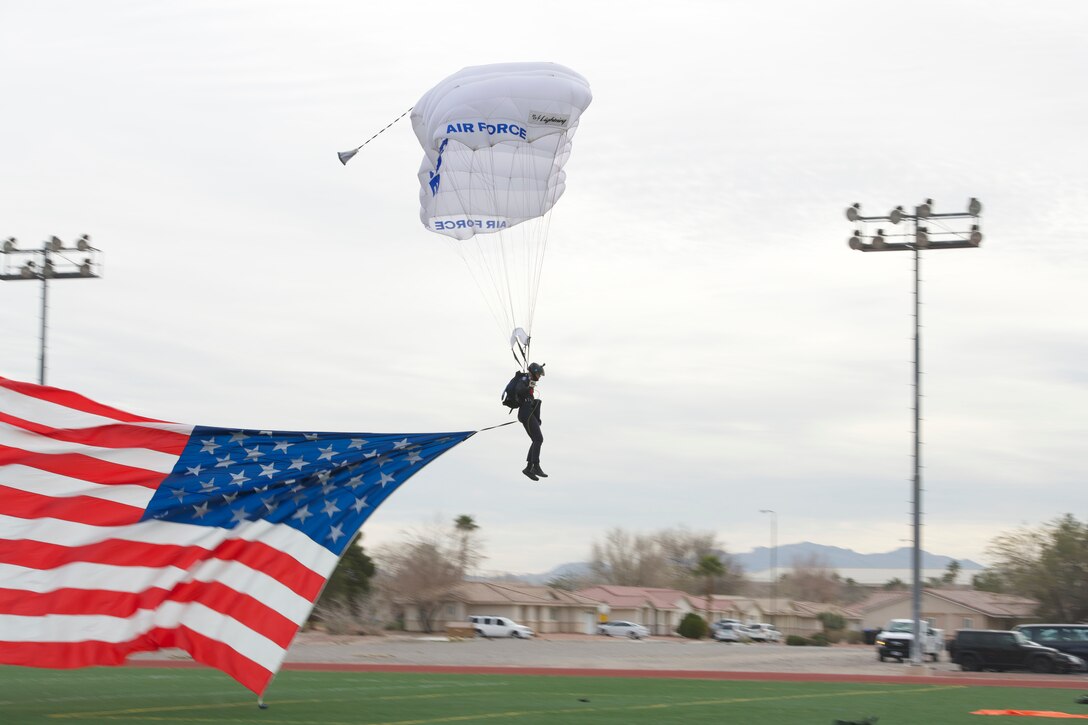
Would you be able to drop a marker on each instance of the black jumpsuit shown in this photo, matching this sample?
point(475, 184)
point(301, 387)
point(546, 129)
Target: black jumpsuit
point(529, 416)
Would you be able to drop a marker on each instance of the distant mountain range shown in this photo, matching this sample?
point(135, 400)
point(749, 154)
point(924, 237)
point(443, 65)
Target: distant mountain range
point(759, 559)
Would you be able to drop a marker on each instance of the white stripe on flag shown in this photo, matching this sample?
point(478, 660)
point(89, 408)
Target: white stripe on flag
point(46, 483)
point(136, 579)
point(45, 413)
point(133, 457)
point(285, 539)
point(169, 615)
point(54, 415)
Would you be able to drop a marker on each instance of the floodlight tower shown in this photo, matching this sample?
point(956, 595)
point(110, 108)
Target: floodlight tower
point(56, 262)
point(917, 239)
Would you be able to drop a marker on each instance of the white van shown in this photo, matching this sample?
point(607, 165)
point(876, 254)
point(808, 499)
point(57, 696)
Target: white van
point(487, 626)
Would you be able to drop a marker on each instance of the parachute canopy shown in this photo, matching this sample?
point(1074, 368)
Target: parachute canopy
point(495, 139)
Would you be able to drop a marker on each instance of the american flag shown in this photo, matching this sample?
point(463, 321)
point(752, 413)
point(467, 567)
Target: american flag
point(123, 534)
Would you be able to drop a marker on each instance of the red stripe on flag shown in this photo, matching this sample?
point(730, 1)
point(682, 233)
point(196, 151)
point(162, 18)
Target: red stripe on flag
point(81, 509)
point(244, 608)
point(85, 468)
point(114, 435)
point(66, 655)
point(73, 400)
point(286, 569)
point(254, 554)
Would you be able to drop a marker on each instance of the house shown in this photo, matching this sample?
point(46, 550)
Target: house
point(544, 609)
point(950, 609)
point(803, 618)
point(743, 609)
point(659, 610)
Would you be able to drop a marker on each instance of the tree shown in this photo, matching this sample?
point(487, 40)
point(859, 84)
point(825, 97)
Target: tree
point(683, 551)
point(350, 580)
point(852, 592)
point(422, 571)
point(468, 554)
point(951, 573)
point(1049, 564)
point(832, 621)
point(666, 558)
point(894, 584)
point(708, 569)
point(989, 581)
point(629, 560)
point(812, 578)
point(342, 606)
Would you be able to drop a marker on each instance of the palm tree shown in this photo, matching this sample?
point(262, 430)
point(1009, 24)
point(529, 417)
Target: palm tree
point(465, 526)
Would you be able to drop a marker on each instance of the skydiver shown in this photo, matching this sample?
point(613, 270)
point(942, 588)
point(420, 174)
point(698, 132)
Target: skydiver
point(529, 416)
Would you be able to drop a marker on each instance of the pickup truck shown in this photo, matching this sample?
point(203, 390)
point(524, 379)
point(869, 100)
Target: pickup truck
point(895, 640)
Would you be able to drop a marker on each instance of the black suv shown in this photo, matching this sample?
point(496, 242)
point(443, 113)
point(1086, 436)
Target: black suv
point(989, 649)
point(1069, 638)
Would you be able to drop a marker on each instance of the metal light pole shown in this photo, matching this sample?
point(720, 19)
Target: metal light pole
point(774, 562)
point(920, 238)
point(55, 263)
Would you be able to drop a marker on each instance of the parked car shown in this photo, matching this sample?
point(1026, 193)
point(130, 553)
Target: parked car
point(991, 649)
point(488, 626)
point(730, 632)
point(1069, 638)
point(620, 628)
point(763, 632)
point(721, 622)
point(896, 638)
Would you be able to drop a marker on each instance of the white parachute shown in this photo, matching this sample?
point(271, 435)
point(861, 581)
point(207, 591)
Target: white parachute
point(495, 140)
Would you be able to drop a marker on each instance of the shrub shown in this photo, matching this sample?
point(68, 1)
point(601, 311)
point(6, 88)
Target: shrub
point(819, 639)
point(831, 621)
point(796, 640)
point(692, 626)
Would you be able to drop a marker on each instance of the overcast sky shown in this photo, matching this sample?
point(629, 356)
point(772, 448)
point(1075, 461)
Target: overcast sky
point(713, 347)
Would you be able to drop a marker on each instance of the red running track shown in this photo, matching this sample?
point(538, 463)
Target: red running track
point(1068, 682)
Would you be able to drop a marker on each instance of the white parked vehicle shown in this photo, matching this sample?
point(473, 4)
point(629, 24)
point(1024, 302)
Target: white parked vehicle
point(895, 640)
point(720, 622)
point(620, 628)
point(487, 626)
point(763, 632)
point(730, 632)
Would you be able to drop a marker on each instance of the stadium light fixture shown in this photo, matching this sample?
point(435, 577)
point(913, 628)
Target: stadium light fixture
point(923, 238)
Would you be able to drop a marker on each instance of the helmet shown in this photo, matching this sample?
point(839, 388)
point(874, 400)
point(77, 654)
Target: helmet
point(537, 370)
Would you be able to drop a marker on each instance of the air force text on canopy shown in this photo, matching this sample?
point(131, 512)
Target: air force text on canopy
point(478, 222)
point(491, 129)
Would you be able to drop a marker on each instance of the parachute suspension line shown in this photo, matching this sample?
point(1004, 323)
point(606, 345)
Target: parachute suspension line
point(346, 156)
point(509, 242)
point(472, 252)
point(545, 222)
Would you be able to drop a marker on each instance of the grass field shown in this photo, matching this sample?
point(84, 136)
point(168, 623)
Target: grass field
point(181, 696)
